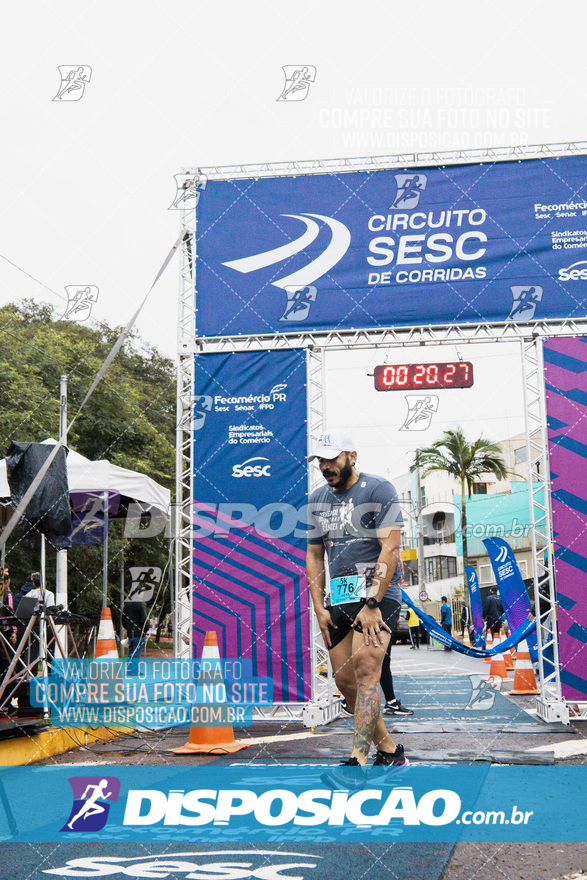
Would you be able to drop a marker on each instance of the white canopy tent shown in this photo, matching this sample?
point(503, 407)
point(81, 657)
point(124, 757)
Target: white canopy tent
point(102, 477)
point(84, 475)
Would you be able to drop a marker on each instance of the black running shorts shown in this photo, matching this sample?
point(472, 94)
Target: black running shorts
point(343, 616)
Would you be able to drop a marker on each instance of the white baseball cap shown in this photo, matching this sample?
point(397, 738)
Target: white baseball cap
point(331, 443)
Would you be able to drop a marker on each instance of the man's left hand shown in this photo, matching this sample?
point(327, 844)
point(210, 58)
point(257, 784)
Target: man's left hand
point(372, 625)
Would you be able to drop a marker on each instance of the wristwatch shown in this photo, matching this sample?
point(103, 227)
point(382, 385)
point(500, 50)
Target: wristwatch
point(372, 602)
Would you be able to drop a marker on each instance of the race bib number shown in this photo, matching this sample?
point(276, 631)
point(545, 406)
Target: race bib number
point(347, 589)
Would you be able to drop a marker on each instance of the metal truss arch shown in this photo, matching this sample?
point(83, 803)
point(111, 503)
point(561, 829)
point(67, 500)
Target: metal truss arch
point(551, 706)
point(398, 160)
point(451, 334)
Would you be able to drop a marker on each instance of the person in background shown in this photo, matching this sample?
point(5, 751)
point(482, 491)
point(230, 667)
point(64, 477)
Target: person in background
point(493, 611)
point(446, 618)
point(414, 629)
point(393, 705)
point(465, 618)
point(8, 632)
point(37, 593)
point(8, 602)
point(135, 621)
point(32, 589)
point(24, 591)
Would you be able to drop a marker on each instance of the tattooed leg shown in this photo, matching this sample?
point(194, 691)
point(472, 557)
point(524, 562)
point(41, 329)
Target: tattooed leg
point(367, 710)
point(368, 721)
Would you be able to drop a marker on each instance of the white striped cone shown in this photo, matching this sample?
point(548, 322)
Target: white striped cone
point(106, 642)
point(498, 668)
point(524, 678)
point(488, 644)
point(210, 740)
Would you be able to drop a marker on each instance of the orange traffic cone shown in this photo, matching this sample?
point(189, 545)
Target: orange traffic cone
point(488, 644)
point(106, 642)
point(498, 668)
point(500, 637)
point(524, 678)
point(210, 740)
point(509, 660)
point(466, 639)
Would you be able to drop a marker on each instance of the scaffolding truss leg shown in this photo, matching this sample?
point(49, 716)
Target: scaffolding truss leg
point(550, 704)
point(182, 612)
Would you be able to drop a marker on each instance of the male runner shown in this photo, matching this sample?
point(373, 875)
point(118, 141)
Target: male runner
point(356, 521)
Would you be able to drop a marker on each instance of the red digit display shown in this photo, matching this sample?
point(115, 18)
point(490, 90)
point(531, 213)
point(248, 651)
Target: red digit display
point(414, 377)
point(419, 374)
point(449, 374)
point(431, 375)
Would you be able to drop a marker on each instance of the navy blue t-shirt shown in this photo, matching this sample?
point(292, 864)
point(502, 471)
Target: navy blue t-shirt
point(346, 524)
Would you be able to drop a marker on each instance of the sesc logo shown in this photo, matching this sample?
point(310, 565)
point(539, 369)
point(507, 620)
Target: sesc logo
point(318, 266)
point(575, 272)
point(221, 864)
point(248, 469)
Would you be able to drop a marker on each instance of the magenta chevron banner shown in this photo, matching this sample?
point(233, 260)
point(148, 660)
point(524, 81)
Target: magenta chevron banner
point(565, 370)
point(250, 494)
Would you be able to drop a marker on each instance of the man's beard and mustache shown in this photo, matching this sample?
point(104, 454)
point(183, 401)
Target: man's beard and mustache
point(344, 476)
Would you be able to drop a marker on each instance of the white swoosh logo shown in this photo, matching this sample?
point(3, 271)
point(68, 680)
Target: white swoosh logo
point(341, 239)
point(277, 255)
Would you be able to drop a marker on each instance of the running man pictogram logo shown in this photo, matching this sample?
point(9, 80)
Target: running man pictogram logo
point(525, 299)
point(421, 408)
point(297, 82)
point(90, 802)
point(74, 79)
point(80, 300)
point(409, 189)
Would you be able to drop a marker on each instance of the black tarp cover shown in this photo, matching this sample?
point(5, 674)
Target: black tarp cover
point(48, 510)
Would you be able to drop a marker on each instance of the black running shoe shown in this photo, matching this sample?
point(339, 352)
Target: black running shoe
point(391, 759)
point(387, 766)
point(349, 775)
point(394, 707)
point(344, 706)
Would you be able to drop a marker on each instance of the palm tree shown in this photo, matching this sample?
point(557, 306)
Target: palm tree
point(464, 461)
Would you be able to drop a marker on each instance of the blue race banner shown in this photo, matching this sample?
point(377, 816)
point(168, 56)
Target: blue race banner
point(490, 242)
point(476, 604)
point(214, 804)
point(436, 631)
point(88, 524)
point(250, 499)
point(512, 590)
point(514, 596)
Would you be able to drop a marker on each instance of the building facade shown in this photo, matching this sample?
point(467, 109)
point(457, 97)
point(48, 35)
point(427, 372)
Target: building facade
point(496, 508)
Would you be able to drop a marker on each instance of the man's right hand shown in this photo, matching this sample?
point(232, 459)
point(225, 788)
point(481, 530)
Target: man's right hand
point(324, 621)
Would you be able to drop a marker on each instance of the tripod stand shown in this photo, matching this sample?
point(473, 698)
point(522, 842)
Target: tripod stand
point(48, 630)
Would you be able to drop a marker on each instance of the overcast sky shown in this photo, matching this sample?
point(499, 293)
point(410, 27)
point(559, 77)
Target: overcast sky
point(382, 428)
point(86, 184)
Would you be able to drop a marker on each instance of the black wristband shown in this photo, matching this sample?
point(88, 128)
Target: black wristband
point(372, 602)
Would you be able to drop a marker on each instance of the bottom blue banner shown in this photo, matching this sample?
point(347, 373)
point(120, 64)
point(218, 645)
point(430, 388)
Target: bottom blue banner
point(301, 803)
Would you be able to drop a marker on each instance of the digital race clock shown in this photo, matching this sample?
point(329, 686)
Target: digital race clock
point(414, 377)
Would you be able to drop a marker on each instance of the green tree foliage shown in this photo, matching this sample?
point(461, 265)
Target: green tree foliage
point(129, 420)
point(465, 461)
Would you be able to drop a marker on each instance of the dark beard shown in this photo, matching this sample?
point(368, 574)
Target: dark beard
point(345, 475)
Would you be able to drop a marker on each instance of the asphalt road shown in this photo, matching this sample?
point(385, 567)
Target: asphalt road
point(437, 685)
